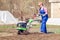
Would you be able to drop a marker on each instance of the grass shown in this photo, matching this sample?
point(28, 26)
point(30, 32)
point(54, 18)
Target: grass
point(7, 26)
point(53, 28)
point(50, 28)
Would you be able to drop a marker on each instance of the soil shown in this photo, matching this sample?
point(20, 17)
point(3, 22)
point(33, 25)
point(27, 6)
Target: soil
point(11, 34)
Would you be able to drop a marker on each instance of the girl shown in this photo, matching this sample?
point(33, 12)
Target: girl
point(44, 15)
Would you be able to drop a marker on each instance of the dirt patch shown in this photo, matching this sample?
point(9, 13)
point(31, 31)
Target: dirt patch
point(33, 36)
point(5, 34)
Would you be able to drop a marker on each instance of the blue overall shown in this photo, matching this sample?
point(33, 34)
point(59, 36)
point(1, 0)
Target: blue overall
point(44, 20)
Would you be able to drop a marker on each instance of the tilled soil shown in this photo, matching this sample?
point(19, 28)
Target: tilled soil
point(32, 36)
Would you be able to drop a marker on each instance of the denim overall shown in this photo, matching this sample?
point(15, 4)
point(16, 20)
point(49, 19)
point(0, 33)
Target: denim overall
point(44, 20)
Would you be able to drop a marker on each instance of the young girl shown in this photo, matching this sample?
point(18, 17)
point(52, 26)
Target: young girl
point(44, 15)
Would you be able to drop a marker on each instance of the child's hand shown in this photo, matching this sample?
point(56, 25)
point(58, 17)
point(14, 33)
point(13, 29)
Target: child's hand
point(43, 14)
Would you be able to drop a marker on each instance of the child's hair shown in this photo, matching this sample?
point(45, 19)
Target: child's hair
point(27, 20)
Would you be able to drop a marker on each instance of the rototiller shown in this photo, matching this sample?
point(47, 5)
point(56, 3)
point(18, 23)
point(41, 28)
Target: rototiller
point(23, 27)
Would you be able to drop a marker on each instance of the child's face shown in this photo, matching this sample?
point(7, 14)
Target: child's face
point(40, 4)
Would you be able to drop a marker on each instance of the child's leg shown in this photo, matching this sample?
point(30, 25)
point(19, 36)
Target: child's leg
point(43, 25)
